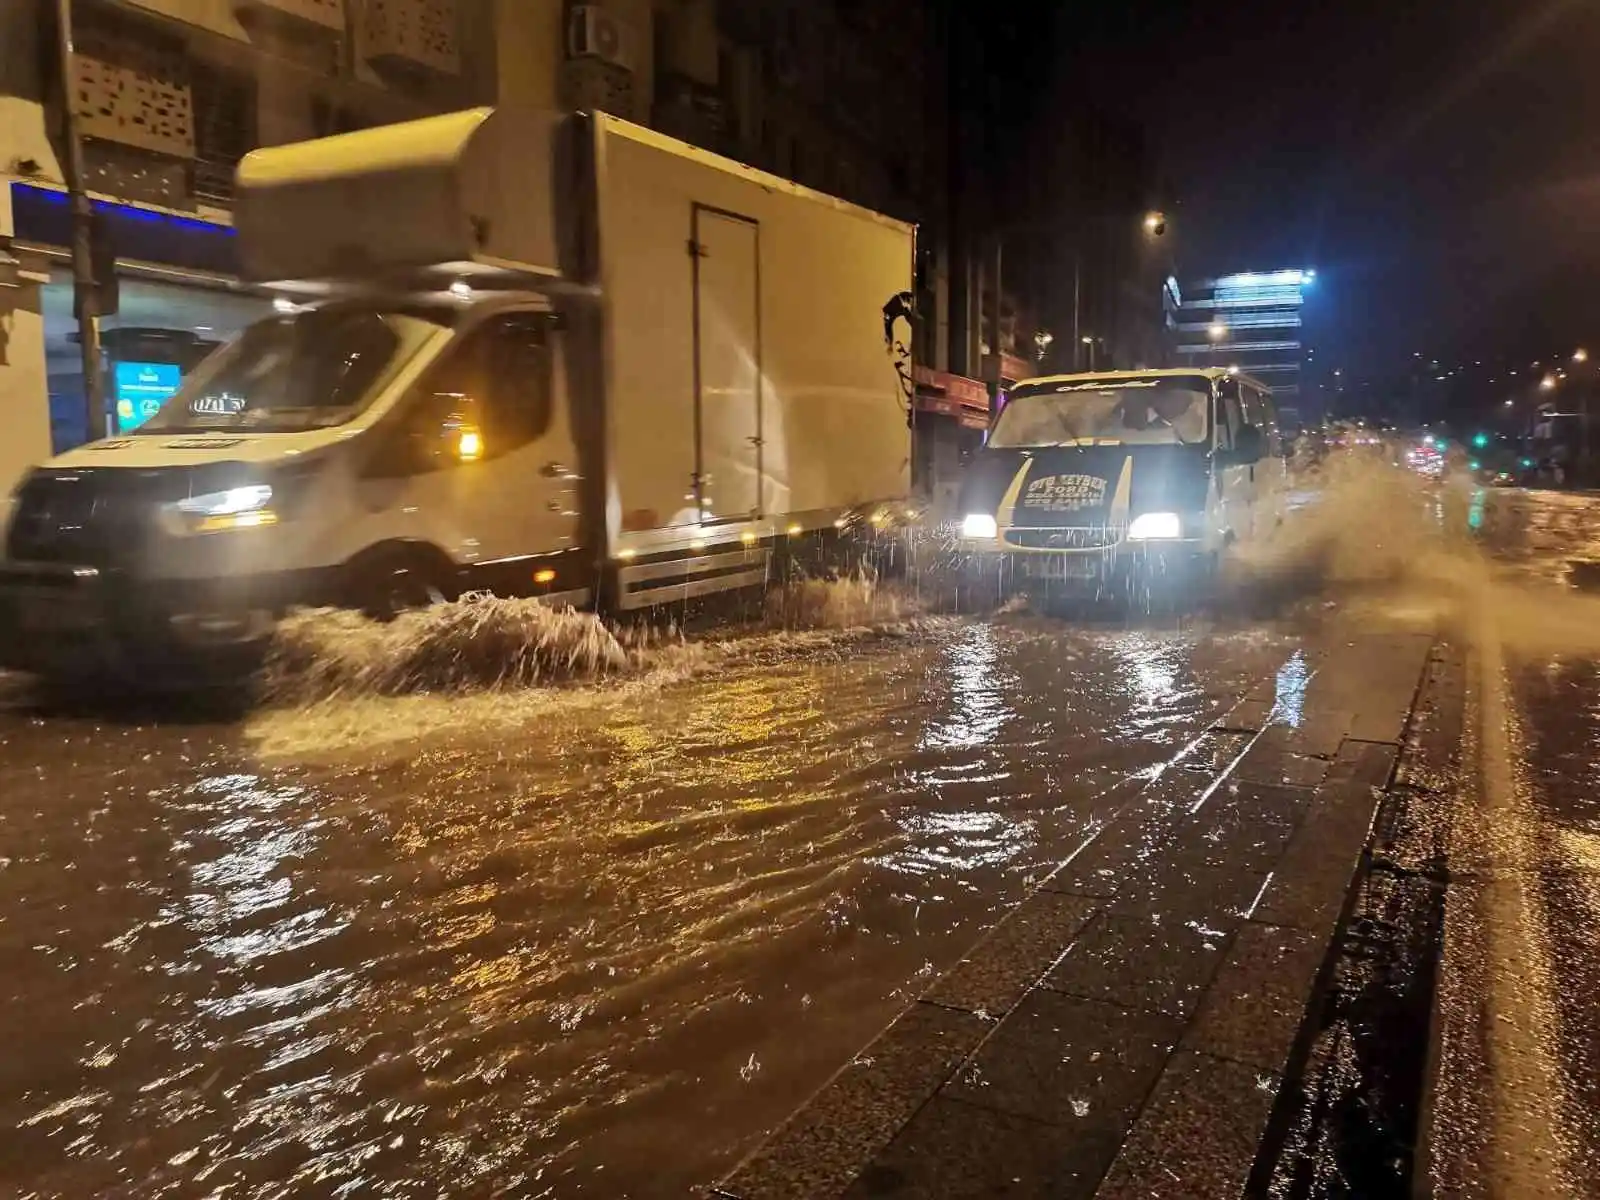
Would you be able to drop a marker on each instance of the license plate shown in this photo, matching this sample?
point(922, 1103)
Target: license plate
point(1064, 566)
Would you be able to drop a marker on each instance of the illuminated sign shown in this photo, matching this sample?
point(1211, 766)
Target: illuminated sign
point(141, 389)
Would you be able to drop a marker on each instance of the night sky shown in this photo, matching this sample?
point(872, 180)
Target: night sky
point(1437, 162)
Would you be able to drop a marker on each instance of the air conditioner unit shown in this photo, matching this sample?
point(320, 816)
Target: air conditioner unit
point(592, 32)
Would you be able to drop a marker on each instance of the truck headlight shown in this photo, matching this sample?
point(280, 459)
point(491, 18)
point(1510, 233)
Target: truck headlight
point(1154, 526)
point(979, 527)
point(237, 508)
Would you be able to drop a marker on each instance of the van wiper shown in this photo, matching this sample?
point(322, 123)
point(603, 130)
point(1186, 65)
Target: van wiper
point(1061, 419)
point(1176, 436)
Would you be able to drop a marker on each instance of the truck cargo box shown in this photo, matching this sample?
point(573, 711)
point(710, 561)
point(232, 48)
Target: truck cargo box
point(756, 341)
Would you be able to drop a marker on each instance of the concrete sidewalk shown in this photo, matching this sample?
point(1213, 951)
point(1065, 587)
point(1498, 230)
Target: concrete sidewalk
point(1126, 1030)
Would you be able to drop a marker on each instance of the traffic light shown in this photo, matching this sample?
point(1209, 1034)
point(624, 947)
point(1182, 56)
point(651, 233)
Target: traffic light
point(1475, 465)
point(1480, 440)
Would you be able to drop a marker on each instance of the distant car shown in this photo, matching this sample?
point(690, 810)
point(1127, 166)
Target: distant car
point(1501, 479)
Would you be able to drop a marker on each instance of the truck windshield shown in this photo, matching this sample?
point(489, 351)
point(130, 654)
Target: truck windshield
point(307, 370)
point(1132, 412)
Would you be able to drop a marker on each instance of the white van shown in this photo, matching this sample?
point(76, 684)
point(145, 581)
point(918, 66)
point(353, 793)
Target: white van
point(565, 357)
point(1122, 483)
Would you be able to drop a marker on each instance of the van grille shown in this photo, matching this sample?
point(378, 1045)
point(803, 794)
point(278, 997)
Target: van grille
point(100, 517)
point(1098, 537)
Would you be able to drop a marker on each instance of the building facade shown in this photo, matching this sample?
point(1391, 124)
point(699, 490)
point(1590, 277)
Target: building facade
point(170, 94)
point(1252, 320)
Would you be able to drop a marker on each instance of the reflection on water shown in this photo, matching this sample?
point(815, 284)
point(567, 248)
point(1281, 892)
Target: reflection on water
point(1289, 693)
point(597, 949)
point(979, 703)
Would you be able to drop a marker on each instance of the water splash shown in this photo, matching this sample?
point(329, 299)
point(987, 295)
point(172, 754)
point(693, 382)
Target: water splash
point(478, 642)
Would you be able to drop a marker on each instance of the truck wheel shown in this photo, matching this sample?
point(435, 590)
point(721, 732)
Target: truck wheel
point(385, 590)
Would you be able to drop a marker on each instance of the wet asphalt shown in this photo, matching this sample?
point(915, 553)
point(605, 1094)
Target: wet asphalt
point(594, 940)
point(602, 939)
point(1542, 861)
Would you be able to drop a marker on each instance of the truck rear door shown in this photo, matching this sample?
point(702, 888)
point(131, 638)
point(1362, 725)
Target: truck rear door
point(727, 363)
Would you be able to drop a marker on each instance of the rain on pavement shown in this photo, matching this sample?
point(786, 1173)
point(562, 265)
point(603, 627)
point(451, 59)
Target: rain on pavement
point(598, 940)
point(596, 943)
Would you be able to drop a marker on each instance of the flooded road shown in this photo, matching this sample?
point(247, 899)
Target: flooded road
point(586, 941)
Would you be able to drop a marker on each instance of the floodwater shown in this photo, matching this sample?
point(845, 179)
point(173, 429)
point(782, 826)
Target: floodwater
point(592, 940)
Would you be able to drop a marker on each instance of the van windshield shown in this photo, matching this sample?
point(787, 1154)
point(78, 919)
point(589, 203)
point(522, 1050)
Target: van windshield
point(308, 370)
point(1131, 412)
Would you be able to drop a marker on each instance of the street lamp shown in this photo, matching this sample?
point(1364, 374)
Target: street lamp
point(1041, 342)
point(1090, 342)
point(1580, 355)
point(1216, 331)
point(1547, 384)
point(1155, 223)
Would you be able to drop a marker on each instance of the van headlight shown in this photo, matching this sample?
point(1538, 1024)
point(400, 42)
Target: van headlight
point(1155, 526)
point(979, 527)
point(244, 507)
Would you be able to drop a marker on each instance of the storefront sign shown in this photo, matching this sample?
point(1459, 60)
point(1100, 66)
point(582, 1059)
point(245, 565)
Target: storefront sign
point(141, 389)
point(947, 395)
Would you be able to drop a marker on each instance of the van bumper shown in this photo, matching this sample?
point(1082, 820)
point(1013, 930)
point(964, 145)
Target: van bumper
point(71, 620)
point(1127, 567)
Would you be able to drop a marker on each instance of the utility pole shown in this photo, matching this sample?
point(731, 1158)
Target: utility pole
point(85, 303)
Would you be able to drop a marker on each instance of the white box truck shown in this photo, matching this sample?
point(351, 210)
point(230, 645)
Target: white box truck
point(512, 351)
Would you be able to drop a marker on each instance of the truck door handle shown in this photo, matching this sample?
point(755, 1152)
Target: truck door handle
point(553, 470)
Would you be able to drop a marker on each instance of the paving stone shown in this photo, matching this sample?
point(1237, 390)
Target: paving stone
point(1192, 882)
point(1014, 955)
point(956, 1149)
point(1147, 829)
point(1320, 732)
point(1081, 1064)
point(1275, 758)
point(1158, 966)
point(1248, 716)
point(1254, 1008)
point(1215, 752)
point(1197, 1138)
point(1370, 764)
point(1311, 881)
point(826, 1144)
point(1252, 829)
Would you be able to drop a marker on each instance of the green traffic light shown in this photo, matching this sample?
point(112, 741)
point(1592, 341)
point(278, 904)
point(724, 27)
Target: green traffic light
point(1475, 465)
point(1480, 440)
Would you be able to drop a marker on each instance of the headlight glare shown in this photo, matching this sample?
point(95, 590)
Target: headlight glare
point(979, 527)
point(237, 500)
point(237, 508)
point(1155, 525)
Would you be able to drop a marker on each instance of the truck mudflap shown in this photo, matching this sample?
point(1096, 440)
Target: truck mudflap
point(76, 620)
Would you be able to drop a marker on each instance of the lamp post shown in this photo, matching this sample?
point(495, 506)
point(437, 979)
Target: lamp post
point(84, 301)
point(1090, 342)
point(1155, 227)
